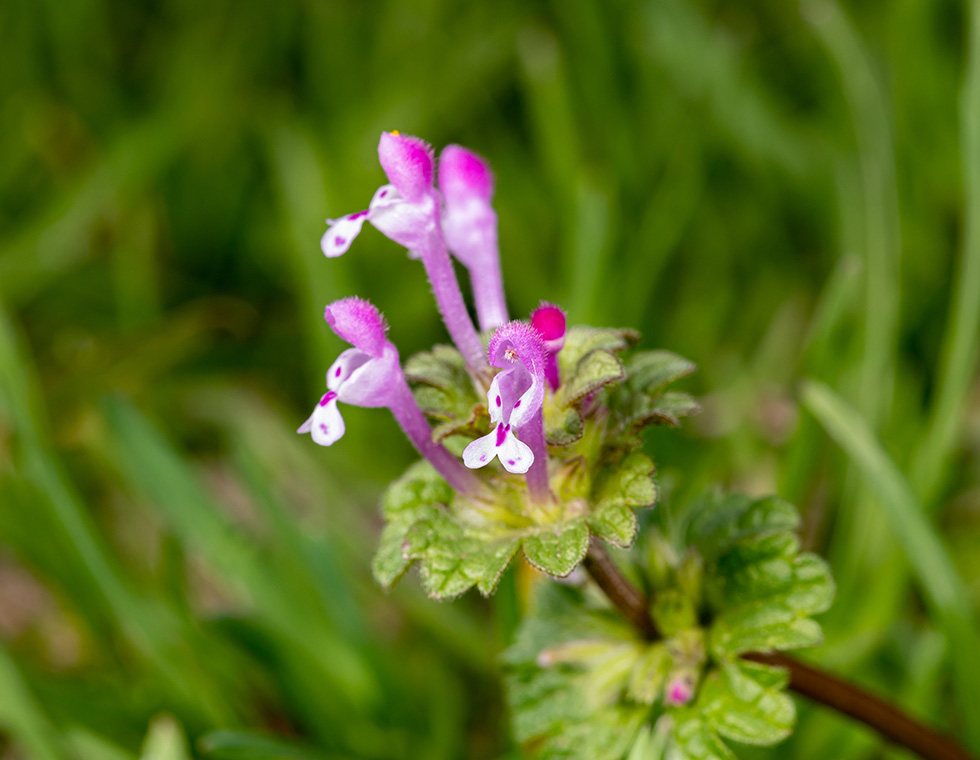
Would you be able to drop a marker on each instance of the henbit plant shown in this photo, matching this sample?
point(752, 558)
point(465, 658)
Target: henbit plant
point(672, 651)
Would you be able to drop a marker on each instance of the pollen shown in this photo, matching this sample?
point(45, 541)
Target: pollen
point(511, 354)
point(395, 132)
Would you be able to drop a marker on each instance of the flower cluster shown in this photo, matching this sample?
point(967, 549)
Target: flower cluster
point(430, 221)
point(530, 426)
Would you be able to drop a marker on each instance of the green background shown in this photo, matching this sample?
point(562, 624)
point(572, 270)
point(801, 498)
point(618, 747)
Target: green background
point(777, 191)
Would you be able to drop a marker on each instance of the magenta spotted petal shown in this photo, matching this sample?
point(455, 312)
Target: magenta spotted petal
point(500, 444)
point(326, 424)
point(518, 349)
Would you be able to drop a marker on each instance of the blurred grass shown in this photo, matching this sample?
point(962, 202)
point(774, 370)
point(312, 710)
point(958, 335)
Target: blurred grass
point(774, 190)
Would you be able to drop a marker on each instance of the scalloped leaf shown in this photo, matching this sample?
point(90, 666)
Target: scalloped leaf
point(743, 702)
point(629, 484)
point(640, 411)
point(746, 704)
point(558, 552)
point(721, 521)
point(452, 560)
point(627, 487)
point(692, 739)
point(787, 591)
point(418, 494)
point(616, 524)
point(580, 341)
point(592, 372)
point(563, 426)
point(650, 371)
point(763, 592)
point(445, 392)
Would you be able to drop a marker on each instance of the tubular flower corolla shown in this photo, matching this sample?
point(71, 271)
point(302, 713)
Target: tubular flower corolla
point(407, 210)
point(514, 399)
point(469, 224)
point(370, 375)
point(549, 321)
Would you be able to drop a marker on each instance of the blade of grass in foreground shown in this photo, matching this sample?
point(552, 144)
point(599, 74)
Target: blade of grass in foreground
point(943, 589)
point(149, 628)
point(21, 718)
point(155, 470)
point(962, 339)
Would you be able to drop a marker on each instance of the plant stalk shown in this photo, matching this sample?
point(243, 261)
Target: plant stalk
point(818, 685)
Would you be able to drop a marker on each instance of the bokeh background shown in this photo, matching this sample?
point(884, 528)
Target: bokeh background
point(776, 191)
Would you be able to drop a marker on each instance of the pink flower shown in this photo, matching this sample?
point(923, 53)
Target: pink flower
point(514, 399)
point(549, 321)
point(469, 224)
point(404, 209)
point(370, 375)
point(364, 375)
point(407, 210)
point(680, 690)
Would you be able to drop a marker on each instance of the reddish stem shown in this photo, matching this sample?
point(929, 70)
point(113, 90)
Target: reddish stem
point(894, 725)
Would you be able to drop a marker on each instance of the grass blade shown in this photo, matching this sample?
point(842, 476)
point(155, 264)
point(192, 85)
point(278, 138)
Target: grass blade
point(943, 589)
point(962, 339)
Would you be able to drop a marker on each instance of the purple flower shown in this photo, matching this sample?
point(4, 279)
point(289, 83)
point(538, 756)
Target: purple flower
point(549, 321)
point(403, 209)
point(680, 690)
point(514, 402)
point(407, 211)
point(469, 224)
point(361, 376)
point(370, 375)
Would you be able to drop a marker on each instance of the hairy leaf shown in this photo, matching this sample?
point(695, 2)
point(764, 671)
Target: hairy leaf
point(650, 371)
point(593, 371)
point(454, 561)
point(416, 495)
point(562, 426)
point(558, 552)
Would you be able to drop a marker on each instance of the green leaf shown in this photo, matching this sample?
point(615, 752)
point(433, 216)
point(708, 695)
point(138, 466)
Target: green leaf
point(562, 426)
point(417, 495)
point(745, 706)
point(453, 560)
point(720, 522)
point(639, 411)
point(623, 488)
point(784, 593)
point(692, 739)
point(593, 371)
point(442, 367)
point(743, 702)
point(616, 524)
point(629, 484)
point(580, 341)
point(445, 392)
point(564, 675)
point(558, 552)
point(650, 371)
point(650, 674)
